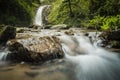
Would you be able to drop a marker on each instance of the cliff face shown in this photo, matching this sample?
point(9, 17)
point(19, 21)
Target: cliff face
point(17, 12)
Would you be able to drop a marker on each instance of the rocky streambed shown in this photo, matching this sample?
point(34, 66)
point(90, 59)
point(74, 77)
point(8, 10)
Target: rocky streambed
point(36, 54)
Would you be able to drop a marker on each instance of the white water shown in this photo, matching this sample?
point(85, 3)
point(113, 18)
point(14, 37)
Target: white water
point(39, 16)
point(3, 56)
point(92, 62)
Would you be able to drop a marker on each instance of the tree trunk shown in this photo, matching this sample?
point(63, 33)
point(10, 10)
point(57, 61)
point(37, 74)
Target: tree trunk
point(71, 13)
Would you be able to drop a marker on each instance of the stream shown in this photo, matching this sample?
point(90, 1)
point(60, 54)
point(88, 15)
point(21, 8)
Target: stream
point(83, 60)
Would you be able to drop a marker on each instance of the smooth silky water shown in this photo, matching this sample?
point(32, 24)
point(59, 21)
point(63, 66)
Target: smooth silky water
point(92, 62)
point(84, 60)
point(39, 16)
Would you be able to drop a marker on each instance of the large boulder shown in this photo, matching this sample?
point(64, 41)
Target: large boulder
point(35, 49)
point(6, 33)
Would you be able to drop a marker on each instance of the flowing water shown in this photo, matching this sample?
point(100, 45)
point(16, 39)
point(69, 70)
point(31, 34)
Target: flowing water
point(92, 62)
point(3, 56)
point(39, 16)
point(84, 60)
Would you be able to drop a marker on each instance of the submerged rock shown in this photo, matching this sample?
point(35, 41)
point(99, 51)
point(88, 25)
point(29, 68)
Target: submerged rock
point(35, 49)
point(6, 33)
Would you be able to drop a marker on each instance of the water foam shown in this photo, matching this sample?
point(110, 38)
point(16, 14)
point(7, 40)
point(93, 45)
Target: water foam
point(94, 63)
point(39, 16)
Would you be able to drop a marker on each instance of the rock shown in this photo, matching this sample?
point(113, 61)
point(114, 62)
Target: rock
point(111, 38)
point(114, 35)
point(70, 32)
point(35, 49)
point(18, 30)
point(6, 33)
point(60, 26)
point(86, 34)
point(34, 26)
point(47, 26)
point(46, 13)
point(115, 44)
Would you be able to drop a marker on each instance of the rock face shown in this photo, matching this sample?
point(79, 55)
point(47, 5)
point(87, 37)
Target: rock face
point(6, 33)
point(35, 49)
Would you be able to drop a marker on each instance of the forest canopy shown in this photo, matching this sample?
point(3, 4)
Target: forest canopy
point(86, 12)
point(103, 14)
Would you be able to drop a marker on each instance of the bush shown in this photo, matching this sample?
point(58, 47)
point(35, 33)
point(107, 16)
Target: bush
point(106, 23)
point(111, 22)
point(96, 22)
point(60, 13)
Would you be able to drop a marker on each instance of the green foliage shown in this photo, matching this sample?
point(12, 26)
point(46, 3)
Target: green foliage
point(60, 12)
point(17, 12)
point(104, 7)
point(2, 28)
point(83, 11)
point(97, 21)
point(106, 23)
point(111, 22)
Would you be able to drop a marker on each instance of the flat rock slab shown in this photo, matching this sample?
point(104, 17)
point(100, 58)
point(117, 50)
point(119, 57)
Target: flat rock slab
point(35, 49)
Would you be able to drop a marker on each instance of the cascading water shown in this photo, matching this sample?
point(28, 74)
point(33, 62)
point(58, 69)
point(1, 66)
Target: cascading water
point(92, 62)
point(39, 16)
point(3, 56)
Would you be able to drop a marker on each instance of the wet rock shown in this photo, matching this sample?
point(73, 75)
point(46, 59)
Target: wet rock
point(114, 35)
point(6, 33)
point(70, 32)
point(60, 26)
point(111, 38)
point(23, 36)
point(35, 26)
point(35, 49)
point(47, 26)
point(46, 13)
point(114, 44)
point(86, 34)
point(20, 30)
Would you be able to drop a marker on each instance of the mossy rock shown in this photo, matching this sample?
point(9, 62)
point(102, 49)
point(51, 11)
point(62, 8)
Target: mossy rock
point(6, 33)
point(35, 49)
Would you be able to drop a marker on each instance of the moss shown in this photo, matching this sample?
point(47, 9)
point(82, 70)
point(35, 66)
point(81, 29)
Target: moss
point(17, 12)
point(2, 28)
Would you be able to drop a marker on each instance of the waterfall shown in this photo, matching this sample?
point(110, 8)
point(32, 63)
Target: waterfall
point(92, 62)
point(39, 16)
point(3, 56)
